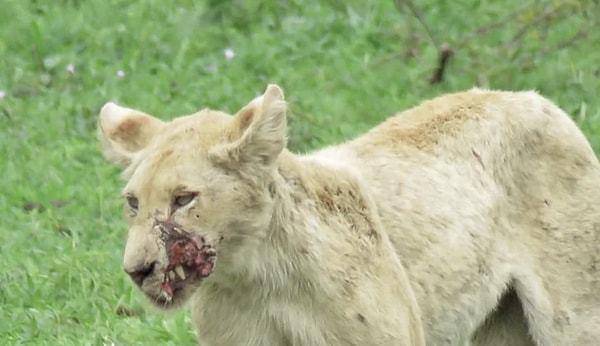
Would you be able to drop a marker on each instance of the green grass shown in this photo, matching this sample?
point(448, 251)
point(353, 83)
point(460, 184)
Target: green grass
point(345, 65)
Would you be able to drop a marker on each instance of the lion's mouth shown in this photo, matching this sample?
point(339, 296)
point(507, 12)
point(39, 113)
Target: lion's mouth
point(190, 259)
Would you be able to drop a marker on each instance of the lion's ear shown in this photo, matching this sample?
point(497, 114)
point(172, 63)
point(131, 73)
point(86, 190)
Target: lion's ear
point(123, 132)
point(259, 130)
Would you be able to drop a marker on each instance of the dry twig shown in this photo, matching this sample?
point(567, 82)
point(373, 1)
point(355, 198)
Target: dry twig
point(548, 15)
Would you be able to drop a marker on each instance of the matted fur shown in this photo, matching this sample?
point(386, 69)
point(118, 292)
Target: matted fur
point(471, 217)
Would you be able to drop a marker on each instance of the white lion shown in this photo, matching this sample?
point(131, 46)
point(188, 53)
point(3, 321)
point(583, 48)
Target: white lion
point(471, 217)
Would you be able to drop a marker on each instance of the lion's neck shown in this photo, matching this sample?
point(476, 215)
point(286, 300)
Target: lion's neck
point(285, 257)
point(286, 288)
point(281, 283)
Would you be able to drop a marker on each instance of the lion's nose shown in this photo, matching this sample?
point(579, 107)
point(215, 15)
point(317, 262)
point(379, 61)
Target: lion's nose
point(139, 274)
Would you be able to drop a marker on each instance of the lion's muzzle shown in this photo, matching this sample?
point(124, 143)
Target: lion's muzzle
point(190, 258)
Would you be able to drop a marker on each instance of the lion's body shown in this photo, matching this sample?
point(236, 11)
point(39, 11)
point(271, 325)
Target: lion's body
point(484, 192)
point(472, 216)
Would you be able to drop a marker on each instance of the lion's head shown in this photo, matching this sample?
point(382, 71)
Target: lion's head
point(197, 194)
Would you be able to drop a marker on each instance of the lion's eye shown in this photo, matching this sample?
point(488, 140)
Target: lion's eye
point(133, 202)
point(184, 199)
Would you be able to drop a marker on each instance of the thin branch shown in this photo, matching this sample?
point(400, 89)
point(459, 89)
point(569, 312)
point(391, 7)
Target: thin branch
point(526, 27)
point(384, 60)
point(417, 14)
point(485, 29)
point(571, 41)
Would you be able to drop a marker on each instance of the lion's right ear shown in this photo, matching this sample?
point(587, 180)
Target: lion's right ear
point(123, 132)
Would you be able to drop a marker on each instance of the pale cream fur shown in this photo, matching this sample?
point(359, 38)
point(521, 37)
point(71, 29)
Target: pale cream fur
point(471, 217)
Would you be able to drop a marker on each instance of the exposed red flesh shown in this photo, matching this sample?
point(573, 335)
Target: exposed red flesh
point(186, 250)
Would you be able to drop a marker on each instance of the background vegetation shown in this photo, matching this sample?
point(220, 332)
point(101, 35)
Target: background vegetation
point(344, 64)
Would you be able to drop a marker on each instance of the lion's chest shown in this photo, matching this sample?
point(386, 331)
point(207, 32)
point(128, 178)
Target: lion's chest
point(221, 318)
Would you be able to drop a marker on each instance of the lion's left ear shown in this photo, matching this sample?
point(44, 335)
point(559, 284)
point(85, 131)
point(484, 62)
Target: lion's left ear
point(259, 132)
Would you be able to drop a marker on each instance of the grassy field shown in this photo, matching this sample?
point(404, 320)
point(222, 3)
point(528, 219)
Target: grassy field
point(345, 65)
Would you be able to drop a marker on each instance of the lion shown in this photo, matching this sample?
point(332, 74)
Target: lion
point(470, 218)
point(270, 249)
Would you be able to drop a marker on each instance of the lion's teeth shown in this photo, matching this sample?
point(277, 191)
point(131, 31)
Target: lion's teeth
point(180, 272)
point(171, 276)
point(166, 296)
